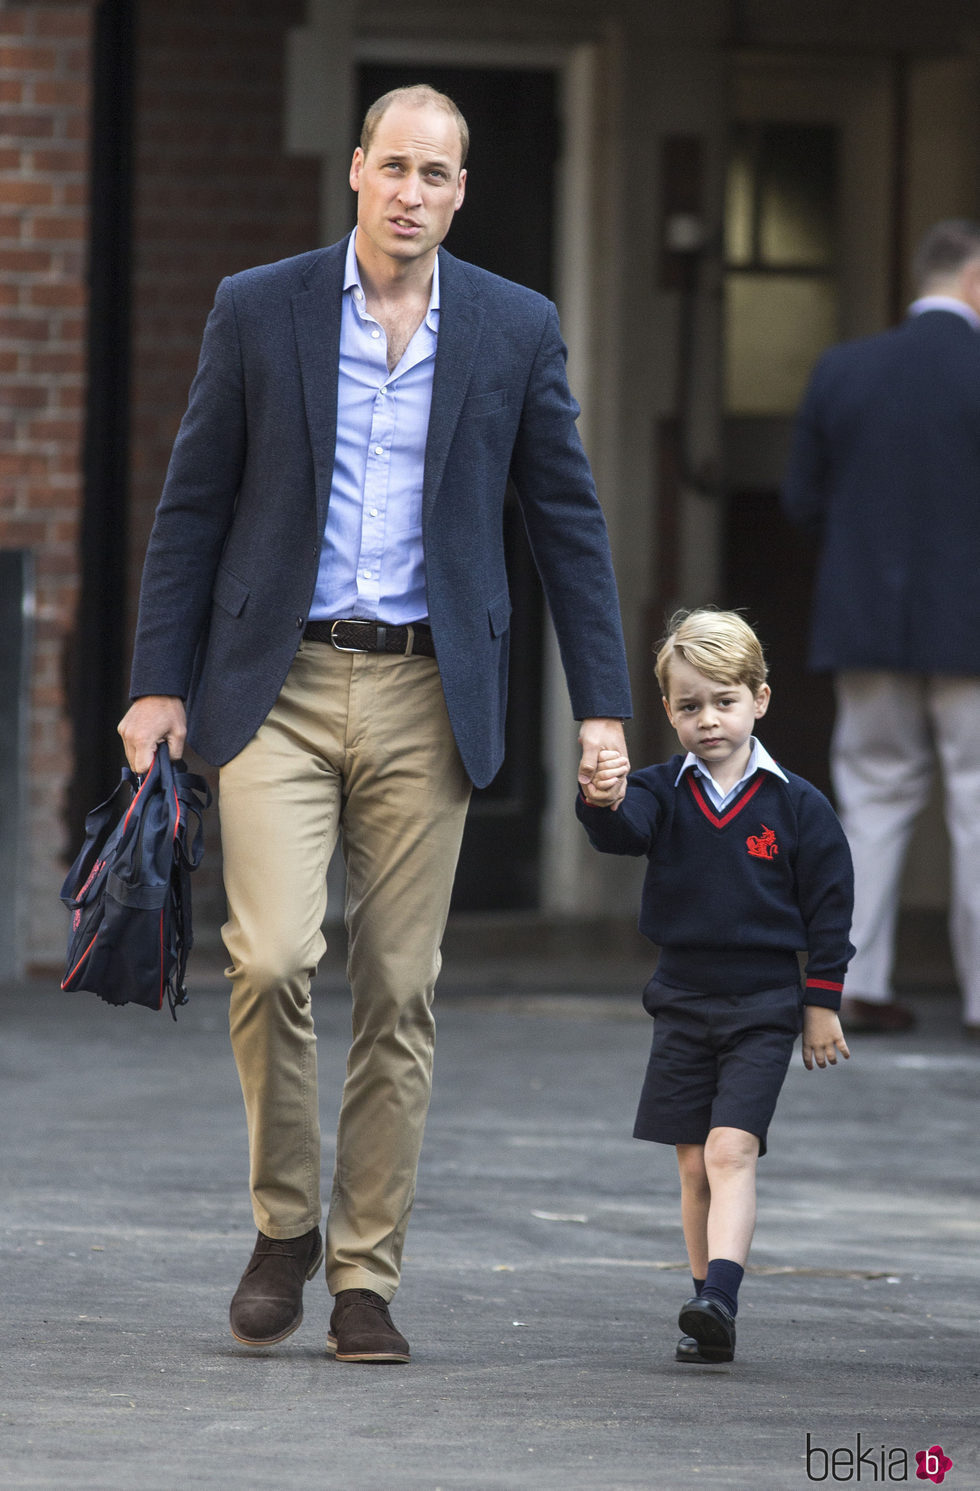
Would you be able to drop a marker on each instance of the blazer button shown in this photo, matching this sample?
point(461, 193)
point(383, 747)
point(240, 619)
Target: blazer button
point(299, 620)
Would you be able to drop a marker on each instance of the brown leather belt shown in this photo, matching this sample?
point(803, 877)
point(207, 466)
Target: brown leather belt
point(373, 636)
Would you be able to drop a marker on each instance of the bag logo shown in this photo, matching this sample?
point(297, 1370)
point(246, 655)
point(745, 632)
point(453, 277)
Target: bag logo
point(763, 846)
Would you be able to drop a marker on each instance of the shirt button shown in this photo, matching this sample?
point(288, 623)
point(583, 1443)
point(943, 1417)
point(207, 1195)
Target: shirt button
point(379, 450)
point(367, 574)
point(373, 511)
point(358, 294)
point(382, 390)
point(375, 334)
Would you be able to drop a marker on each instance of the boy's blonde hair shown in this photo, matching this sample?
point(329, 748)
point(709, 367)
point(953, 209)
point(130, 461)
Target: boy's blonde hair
point(720, 644)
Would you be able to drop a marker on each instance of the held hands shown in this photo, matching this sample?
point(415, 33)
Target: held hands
point(149, 720)
point(822, 1037)
point(607, 787)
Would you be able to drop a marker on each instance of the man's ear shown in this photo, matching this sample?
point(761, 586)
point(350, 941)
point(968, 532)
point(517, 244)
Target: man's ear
point(356, 166)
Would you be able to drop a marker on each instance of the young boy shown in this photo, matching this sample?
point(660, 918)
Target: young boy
point(747, 864)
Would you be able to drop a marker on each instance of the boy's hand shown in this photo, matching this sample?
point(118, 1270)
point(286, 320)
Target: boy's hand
point(822, 1037)
point(597, 735)
point(608, 785)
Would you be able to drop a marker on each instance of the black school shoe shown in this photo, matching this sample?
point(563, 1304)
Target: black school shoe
point(688, 1350)
point(710, 1328)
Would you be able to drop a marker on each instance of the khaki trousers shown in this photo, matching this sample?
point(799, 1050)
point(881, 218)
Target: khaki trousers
point(360, 744)
point(891, 729)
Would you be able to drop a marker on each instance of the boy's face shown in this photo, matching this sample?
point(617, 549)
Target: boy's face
point(714, 720)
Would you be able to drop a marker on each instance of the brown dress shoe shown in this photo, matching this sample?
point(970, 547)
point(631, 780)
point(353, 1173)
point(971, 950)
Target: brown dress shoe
point(872, 1017)
point(268, 1303)
point(361, 1329)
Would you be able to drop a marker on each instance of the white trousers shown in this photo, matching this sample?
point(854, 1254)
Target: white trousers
point(891, 729)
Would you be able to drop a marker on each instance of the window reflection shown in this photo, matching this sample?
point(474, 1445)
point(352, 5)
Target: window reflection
point(780, 232)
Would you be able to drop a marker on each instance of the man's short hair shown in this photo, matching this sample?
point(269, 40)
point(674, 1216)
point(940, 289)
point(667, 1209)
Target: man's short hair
point(416, 95)
point(719, 644)
point(944, 250)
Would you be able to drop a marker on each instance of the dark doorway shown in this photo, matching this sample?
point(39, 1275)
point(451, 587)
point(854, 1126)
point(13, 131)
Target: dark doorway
point(96, 664)
point(769, 569)
point(505, 225)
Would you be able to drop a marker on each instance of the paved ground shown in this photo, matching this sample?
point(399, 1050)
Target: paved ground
point(544, 1269)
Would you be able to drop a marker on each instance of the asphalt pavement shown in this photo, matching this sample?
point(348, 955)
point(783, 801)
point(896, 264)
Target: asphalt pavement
point(543, 1272)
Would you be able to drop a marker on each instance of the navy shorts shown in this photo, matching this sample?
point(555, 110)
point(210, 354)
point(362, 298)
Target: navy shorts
point(717, 1061)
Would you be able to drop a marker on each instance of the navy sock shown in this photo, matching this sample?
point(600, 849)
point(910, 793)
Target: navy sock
point(722, 1283)
point(698, 1285)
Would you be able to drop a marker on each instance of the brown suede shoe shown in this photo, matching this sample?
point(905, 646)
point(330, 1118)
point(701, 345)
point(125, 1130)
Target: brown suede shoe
point(361, 1329)
point(268, 1303)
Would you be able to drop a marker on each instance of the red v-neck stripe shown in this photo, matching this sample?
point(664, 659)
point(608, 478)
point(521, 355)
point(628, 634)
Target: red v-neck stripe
point(736, 807)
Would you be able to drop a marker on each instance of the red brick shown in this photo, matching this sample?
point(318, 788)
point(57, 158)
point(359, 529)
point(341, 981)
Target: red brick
point(48, 226)
point(23, 193)
point(28, 126)
point(24, 328)
point(53, 430)
point(24, 261)
point(15, 19)
point(25, 395)
point(60, 93)
point(58, 295)
point(58, 363)
point(64, 21)
point(72, 329)
point(62, 160)
point(28, 59)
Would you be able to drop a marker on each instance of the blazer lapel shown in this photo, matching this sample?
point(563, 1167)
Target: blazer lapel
point(460, 322)
point(316, 325)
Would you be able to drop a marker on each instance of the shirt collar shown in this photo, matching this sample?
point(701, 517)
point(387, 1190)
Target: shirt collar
point(759, 760)
point(945, 303)
point(352, 281)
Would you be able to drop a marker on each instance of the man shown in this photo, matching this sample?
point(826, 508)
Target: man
point(886, 461)
point(325, 585)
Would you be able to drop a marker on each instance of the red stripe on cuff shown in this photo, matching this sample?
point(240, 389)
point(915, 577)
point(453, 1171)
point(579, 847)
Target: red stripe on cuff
point(822, 983)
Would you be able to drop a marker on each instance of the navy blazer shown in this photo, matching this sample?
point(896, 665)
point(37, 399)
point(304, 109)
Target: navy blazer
point(232, 560)
point(885, 463)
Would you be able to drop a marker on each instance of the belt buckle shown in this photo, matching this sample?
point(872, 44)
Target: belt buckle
point(353, 621)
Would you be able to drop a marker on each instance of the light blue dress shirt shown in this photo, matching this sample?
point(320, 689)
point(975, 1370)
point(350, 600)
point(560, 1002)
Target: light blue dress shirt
point(759, 760)
point(945, 303)
point(372, 564)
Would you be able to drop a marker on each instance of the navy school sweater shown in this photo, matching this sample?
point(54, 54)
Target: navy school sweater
point(730, 898)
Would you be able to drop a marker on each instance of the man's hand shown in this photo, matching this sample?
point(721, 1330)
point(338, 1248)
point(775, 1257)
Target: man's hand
point(149, 720)
point(595, 736)
point(822, 1037)
point(608, 786)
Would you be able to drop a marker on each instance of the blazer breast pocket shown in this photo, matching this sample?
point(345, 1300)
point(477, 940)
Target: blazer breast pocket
point(482, 404)
point(230, 593)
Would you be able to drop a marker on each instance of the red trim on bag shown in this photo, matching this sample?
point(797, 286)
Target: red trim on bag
point(736, 808)
point(69, 976)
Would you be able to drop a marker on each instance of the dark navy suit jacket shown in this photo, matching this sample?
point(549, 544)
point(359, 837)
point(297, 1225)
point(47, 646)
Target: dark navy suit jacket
point(886, 464)
point(232, 561)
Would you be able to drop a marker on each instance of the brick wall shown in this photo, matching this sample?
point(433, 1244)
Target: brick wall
point(44, 132)
point(214, 193)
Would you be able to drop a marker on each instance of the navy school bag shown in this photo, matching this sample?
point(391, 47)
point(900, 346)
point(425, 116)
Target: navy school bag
point(129, 892)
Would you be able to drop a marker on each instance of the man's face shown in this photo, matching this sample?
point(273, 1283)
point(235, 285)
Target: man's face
point(410, 183)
